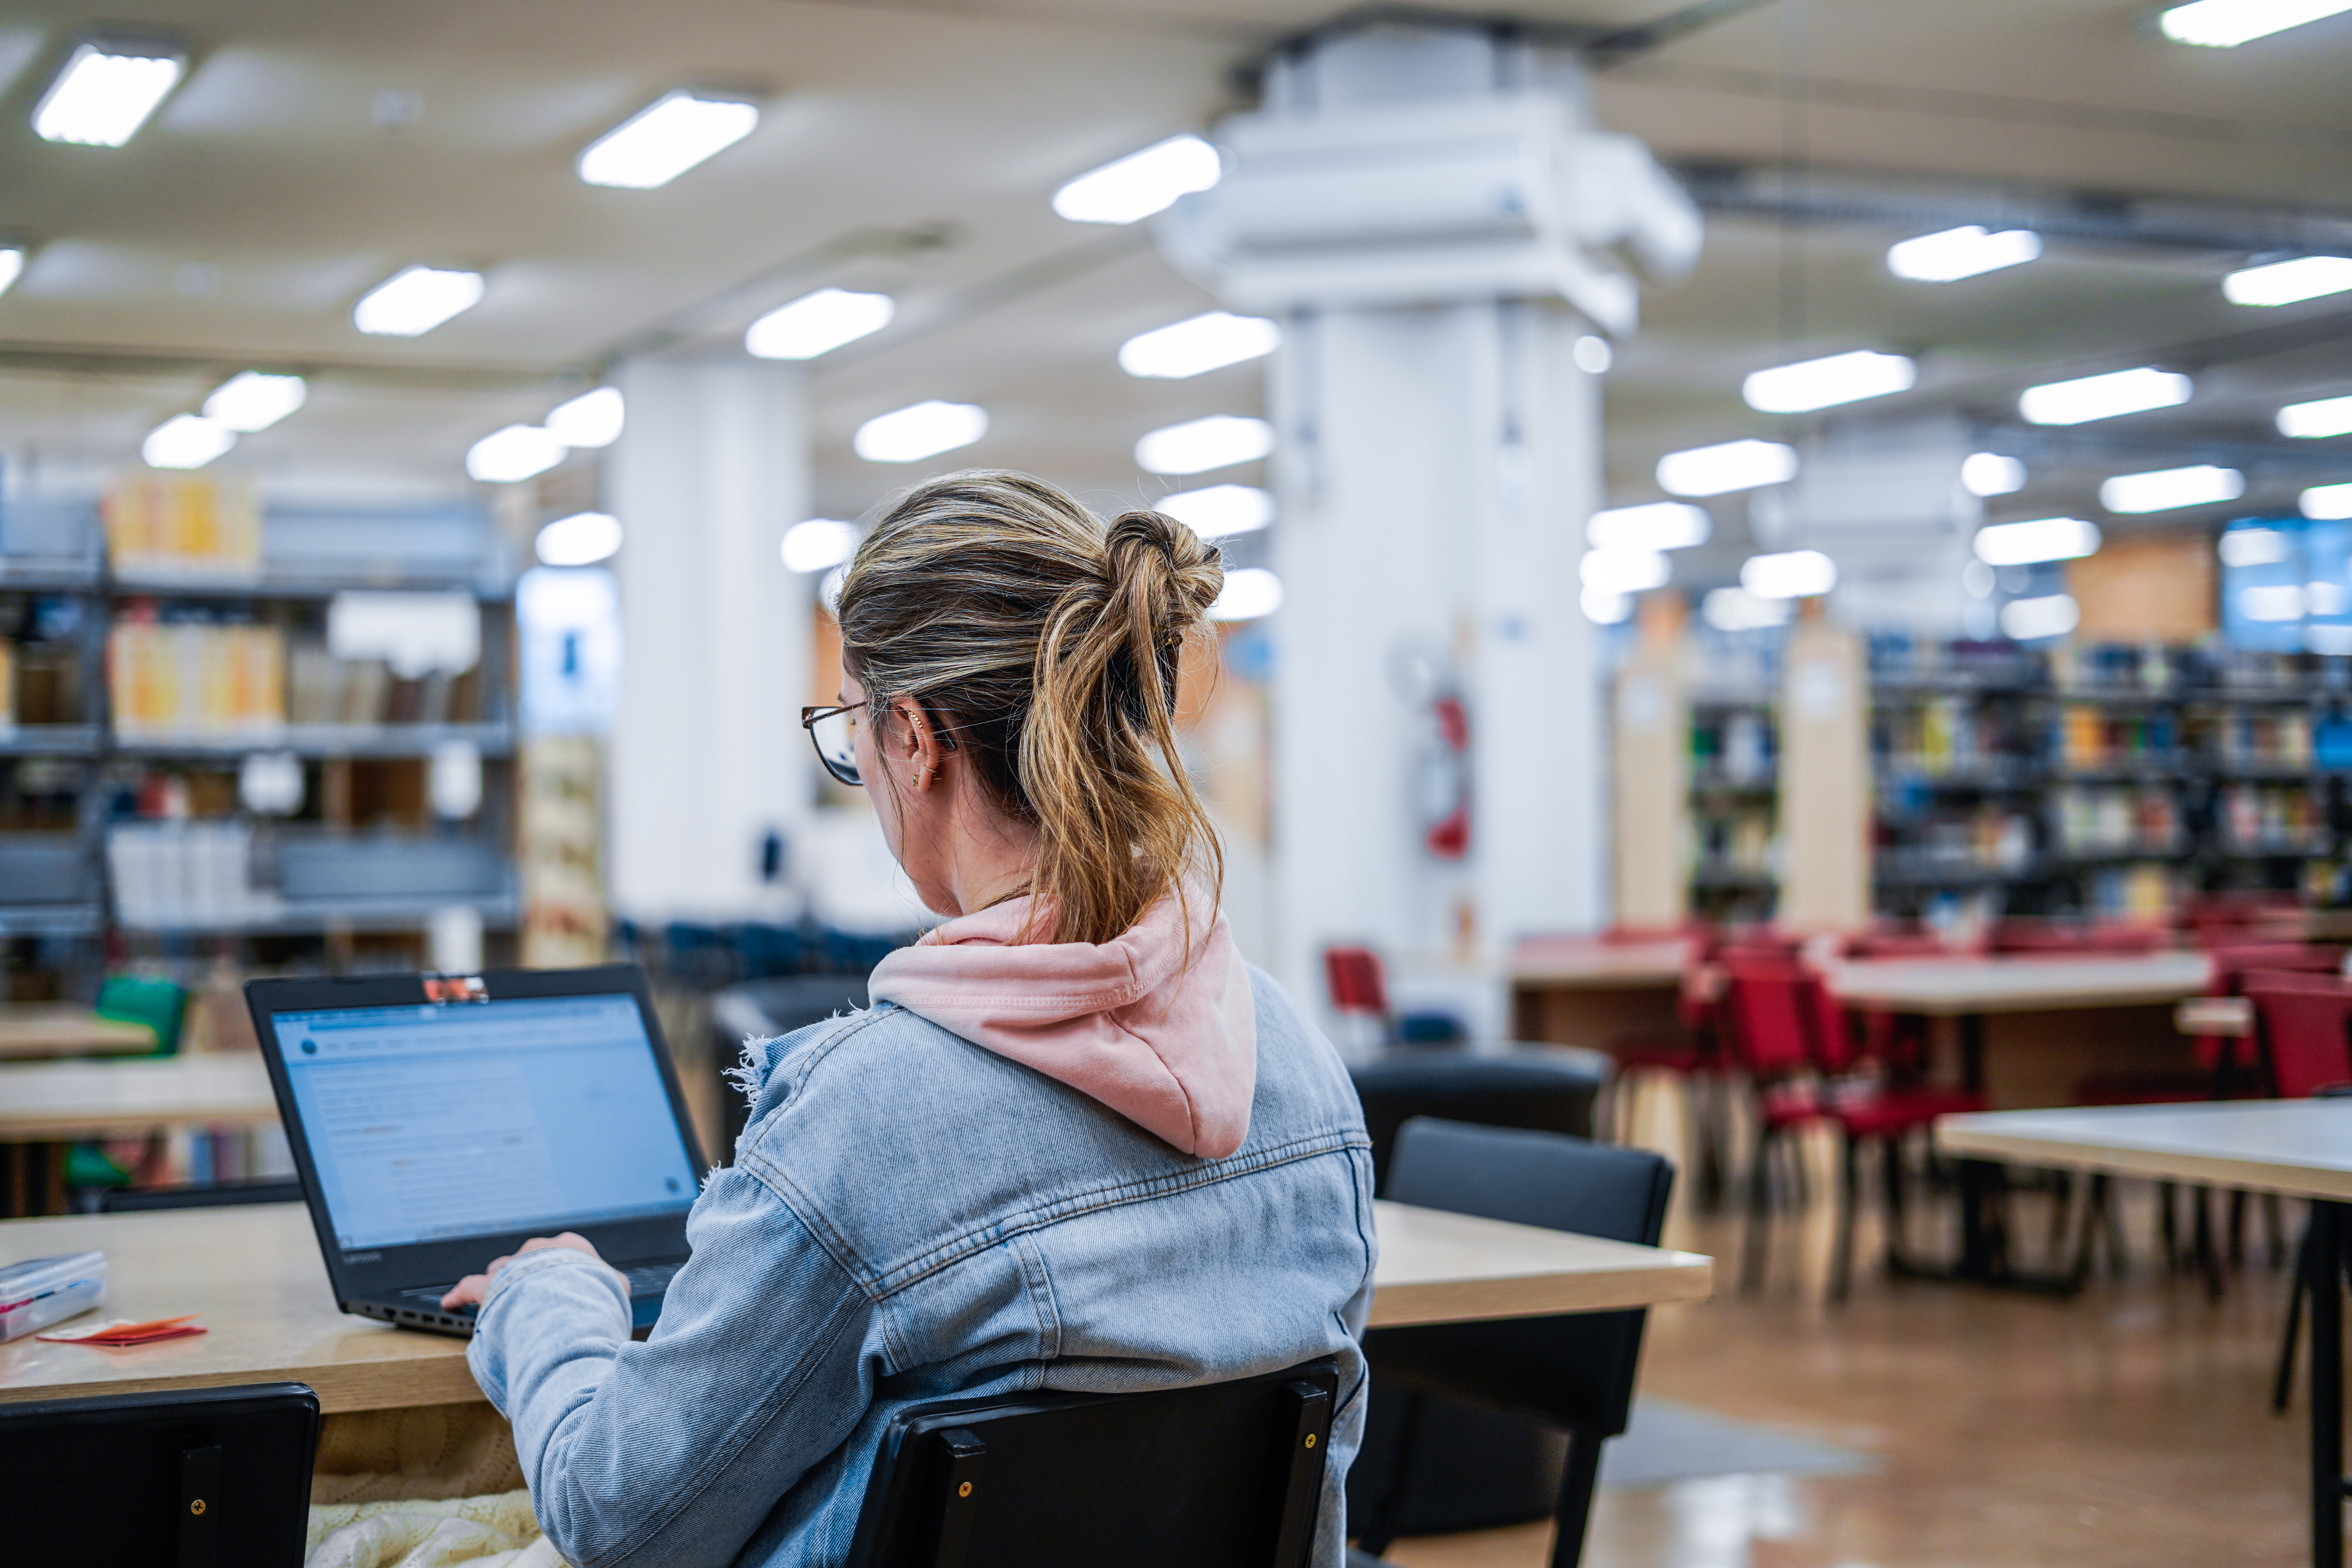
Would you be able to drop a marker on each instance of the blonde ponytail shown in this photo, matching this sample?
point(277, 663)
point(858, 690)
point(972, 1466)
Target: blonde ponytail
point(1049, 646)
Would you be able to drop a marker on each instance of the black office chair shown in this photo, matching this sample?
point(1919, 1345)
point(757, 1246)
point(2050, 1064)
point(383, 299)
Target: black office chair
point(204, 1195)
point(1573, 1372)
point(215, 1478)
point(1227, 1473)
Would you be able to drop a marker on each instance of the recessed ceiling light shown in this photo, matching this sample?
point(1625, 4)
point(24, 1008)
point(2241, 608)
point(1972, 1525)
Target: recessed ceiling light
point(1825, 383)
point(1592, 355)
point(1199, 345)
point(1991, 474)
point(2042, 539)
point(1658, 525)
point(186, 441)
point(667, 138)
point(581, 540)
point(106, 91)
point(591, 419)
point(516, 453)
point(817, 542)
point(2051, 616)
point(12, 266)
point(2165, 489)
point(2288, 282)
point(1727, 467)
point(416, 300)
point(2104, 396)
point(1216, 510)
point(818, 323)
point(252, 400)
point(2327, 416)
point(1248, 594)
point(1956, 253)
point(2226, 24)
point(921, 430)
point(1196, 446)
point(2323, 503)
point(1141, 183)
point(1790, 574)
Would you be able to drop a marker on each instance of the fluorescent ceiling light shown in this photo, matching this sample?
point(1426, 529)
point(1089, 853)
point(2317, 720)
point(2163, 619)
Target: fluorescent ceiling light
point(252, 400)
point(2274, 601)
point(1792, 574)
point(1603, 608)
point(2327, 598)
point(921, 430)
point(2327, 416)
point(2103, 396)
point(12, 266)
point(1248, 594)
point(591, 419)
point(1737, 610)
point(2289, 282)
point(2051, 616)
point(816, 544)
point(1141, 183)
point(1991, 474)
point(1956, 253)
point(581, 540)
point(2323, 503)
point(2252, 547)
point(186, 441)
point(1659, 525)
point(2165, 489)
point(2226, 24)
point(1824, 382)
point(818, 323)
point(1624, 571)
point(1730, 465)
point(1199, 445)
point(1217, 511)
point(1202, 343)
point(2042, 539)
point(665, 139)
point(416, 300)
point(106, 91)
point(516, 453)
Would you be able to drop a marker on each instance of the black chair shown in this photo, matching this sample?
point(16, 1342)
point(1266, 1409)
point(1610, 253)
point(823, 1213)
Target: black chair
point(214, 1478)
point(1226, 1473)
point(207, 1196)
point(1574, 1373)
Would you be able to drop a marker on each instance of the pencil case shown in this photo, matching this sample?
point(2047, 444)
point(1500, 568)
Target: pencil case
point(43, 1290)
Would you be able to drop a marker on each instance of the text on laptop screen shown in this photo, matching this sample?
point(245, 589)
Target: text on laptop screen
point(534, 1113)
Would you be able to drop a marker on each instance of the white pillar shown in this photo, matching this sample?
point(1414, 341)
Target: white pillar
point(707, 755)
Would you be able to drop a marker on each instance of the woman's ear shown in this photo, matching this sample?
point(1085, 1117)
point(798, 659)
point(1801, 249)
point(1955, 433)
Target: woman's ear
point(924, 756)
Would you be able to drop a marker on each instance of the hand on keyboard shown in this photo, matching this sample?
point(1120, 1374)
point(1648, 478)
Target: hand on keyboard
point(469, 1291)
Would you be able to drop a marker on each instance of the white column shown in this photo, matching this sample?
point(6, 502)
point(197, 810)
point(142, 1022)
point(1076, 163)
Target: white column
point(707, 756)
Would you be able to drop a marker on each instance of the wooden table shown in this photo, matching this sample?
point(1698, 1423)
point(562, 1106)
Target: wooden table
point(55, 1030)
point(256, 1275)
point(63, 1101)
point(1581, 991)
point(2302, 1148)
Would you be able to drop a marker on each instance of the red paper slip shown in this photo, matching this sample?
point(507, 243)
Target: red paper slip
point(117, 1333)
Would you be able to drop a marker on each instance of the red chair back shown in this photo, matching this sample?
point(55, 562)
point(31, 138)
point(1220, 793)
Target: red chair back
point(2302, 1020)
point(2019, 936)
point(2233, 962)
point(1770, 1013)
point(1355, 980)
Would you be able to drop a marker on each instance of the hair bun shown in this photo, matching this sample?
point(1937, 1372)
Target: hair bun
point(1154, 542)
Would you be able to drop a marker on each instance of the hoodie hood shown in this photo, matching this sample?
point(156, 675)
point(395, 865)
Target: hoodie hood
point(1169, 1044)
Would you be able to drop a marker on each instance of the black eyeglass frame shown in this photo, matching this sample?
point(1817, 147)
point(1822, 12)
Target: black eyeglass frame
point(812, 716)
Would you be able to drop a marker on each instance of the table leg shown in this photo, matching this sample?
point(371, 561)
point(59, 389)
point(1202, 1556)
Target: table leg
point(2326, 1256)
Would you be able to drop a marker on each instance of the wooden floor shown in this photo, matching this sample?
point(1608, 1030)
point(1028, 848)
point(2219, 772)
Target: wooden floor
point(2129, 1426)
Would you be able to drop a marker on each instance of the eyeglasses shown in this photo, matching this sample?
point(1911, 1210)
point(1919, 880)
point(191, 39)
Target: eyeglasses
point(834, 732)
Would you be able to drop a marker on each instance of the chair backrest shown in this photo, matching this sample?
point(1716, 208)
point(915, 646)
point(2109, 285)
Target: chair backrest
point(1770, 1013)
point(213, 1195)
point(2234, 961)
point(1546, 1088)
point(1225, 1473)
point(1358, 982)
point(2300, 1022)
point(185, 1480)
point(1574, 1370)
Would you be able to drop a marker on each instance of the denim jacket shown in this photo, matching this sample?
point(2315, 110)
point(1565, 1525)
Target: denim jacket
point(910, 1217)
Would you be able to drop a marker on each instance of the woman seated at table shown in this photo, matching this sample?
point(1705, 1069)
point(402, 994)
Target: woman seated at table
point(1077, 1143)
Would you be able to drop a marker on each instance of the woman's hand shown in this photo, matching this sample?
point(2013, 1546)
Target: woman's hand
point(469, 1291)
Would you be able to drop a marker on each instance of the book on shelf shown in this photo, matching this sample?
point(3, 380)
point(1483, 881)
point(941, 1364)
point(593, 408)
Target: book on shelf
point(183, 526)
point(196, 679)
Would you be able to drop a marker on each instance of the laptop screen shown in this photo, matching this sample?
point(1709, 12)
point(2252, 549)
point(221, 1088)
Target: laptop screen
point(534, 1113)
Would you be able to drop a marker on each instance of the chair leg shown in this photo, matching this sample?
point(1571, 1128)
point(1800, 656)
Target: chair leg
point(1377, 1534)
point(2167, 1228)
point(2238, 1196)
point(1898, 1254)
point(2274, 1229)
point(1760, 1218)
point(2282, 1386)
point(1573, 1512)
point(2062, 1207)
point(1849, 1200)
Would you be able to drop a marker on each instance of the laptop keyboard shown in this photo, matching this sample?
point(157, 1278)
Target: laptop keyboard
point(651, 1279)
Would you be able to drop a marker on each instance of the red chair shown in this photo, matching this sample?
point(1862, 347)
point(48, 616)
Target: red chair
point(2303, 1037)
point(1797, 1044)
point(1358, 985)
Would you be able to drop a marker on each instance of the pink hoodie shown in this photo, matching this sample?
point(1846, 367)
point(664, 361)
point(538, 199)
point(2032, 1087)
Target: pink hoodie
point(1170, 1046)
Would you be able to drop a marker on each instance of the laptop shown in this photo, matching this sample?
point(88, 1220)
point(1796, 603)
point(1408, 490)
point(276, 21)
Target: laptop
point(439, 1121)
